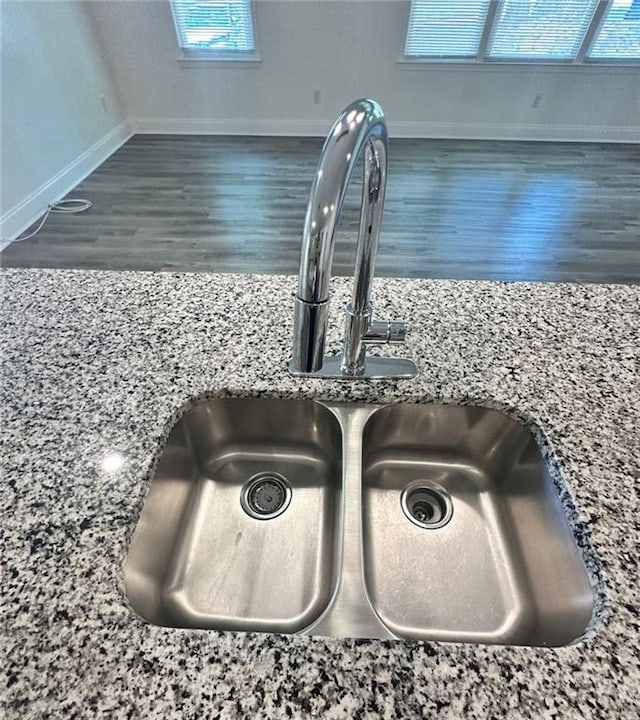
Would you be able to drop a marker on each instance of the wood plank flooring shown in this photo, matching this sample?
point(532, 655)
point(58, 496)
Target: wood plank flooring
point(454, 209)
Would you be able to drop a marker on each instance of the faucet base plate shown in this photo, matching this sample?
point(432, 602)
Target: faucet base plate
point(376, 368)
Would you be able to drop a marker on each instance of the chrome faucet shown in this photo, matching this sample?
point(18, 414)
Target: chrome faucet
point(360, 126)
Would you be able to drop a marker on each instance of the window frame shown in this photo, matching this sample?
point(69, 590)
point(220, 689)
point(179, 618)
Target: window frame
point(482, 59)
point(204, 57)
point(601, 60)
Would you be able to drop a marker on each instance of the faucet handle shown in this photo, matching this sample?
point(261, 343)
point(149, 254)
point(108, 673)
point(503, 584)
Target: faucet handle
point(381, 332)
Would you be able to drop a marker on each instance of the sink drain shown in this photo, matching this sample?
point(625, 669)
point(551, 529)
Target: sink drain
point(426, 505)
point(265, 496)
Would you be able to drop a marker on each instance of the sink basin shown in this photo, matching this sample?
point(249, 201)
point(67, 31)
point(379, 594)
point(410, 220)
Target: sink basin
point(202, 558)
point(478, 548)
point(428, 522)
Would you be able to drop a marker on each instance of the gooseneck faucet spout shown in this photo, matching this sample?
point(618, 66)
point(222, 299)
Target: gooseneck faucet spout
point(360, 128)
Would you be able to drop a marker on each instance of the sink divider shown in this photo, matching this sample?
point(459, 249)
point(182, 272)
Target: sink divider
point(350, 613)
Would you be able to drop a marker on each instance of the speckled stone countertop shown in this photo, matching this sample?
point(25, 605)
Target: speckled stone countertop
point(99, 362)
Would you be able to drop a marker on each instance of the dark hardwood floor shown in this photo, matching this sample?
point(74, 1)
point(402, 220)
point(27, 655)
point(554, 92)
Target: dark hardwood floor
point(454, 209)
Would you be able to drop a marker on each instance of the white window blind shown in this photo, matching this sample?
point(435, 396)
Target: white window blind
point(442, 28)
point(619, 35)
point(223, 26)
point(542, 29)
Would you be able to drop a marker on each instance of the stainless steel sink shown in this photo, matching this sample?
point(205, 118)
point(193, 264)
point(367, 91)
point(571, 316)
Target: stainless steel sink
point(479, 550)
point(401, 521)
point(241, 525)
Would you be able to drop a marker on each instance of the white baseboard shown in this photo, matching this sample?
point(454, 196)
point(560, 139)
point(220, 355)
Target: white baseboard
point(17, 219)
point(240, 126)
point(516, 131)
point(406, 129)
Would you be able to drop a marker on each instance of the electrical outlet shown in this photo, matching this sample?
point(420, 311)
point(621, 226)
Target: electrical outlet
point(536, 100)
point(103, 100)
point(316, 97)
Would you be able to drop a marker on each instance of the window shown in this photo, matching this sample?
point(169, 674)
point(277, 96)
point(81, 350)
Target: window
point(441, 28)
point(564, 31)
point(544, 29)
point(619, 36)
point(221, 28)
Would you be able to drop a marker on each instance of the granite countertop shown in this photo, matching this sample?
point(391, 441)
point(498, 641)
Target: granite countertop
point(100, 362)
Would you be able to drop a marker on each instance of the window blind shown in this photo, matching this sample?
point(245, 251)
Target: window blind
point(220, 25)
point(543, 29)
point(442, 28)
point(619, 35)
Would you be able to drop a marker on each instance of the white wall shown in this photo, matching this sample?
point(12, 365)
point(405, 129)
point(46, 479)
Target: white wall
point(347, 50)
point(54, 124)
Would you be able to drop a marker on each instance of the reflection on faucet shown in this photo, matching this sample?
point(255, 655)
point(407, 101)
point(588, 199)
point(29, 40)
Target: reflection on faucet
point(360, 126)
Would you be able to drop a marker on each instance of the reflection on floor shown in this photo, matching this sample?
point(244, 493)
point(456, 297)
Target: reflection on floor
point(454, 209)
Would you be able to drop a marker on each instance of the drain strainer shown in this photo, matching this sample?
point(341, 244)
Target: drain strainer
point(265, 496)
point(426, 504)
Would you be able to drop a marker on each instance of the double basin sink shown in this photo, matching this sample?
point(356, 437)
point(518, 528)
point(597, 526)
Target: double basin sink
point(428, 522)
